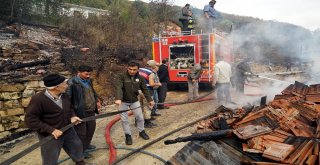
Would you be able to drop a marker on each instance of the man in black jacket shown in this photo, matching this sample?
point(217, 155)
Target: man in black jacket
point(243, 70)
point(127, 90)
point(86, 103)
point(185, 11)
point(163, 74)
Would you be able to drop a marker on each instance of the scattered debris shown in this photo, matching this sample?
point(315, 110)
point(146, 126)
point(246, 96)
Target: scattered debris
point(284, 131)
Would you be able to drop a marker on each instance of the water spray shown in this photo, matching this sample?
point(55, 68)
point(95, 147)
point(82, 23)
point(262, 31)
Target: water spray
point(274, 79)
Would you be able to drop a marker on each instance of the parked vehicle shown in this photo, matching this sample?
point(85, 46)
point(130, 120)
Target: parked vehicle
point(183, 51)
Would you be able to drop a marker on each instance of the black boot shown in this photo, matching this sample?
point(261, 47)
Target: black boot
point(128, 139)
point(86, 155)
point(144, 135)
point(149, 124)
point(81, 163)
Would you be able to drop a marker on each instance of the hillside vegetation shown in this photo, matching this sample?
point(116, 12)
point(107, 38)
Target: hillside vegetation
point(125, 33)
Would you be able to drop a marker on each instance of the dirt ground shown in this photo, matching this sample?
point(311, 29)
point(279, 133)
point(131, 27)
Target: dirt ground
point(169, 120)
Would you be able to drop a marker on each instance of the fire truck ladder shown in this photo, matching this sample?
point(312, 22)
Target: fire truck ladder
point(205, 48)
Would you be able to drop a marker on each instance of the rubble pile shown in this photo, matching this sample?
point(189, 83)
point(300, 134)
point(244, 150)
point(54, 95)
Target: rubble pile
point(287, 130)
point(23, 61)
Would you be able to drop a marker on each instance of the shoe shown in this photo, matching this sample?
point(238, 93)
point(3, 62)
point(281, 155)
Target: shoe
point(86, 155)
point(165, 107)
point(156, 114)
point(160, 106)
point(91, 147)
point(149, 124)
point(128, 139)
point(152, 118)
point(144, 135)
point(153, 124)
point(81, 162)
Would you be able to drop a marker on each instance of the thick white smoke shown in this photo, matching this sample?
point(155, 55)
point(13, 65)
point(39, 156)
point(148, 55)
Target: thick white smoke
point(278, 44)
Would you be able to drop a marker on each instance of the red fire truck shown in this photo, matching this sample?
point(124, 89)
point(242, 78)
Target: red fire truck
point(183, 51)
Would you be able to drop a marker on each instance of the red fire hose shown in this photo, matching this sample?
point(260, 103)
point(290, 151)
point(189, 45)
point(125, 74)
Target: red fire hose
point(112, 150)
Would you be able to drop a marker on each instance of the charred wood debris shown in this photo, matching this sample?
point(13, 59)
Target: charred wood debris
point(24, 59)
point(286, 130)
point(34, 51)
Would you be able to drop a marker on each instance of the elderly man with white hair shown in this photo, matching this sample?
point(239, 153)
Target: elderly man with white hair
point(48, 112)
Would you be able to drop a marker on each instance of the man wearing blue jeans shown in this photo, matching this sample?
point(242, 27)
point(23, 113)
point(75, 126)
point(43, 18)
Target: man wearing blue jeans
point(154, 84)
point(127, 90)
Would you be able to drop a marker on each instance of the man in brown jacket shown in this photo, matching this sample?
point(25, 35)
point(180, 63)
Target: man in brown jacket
point(48, 112)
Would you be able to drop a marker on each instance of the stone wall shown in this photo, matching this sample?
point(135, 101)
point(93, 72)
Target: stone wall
point(24, 61)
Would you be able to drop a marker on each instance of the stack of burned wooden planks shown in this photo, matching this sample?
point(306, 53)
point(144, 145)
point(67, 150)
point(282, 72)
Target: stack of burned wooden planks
point(287, 130)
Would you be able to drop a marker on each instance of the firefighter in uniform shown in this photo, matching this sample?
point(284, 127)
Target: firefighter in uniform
point(190, 22)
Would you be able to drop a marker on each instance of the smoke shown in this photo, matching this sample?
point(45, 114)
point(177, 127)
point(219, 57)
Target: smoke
point(278, 44)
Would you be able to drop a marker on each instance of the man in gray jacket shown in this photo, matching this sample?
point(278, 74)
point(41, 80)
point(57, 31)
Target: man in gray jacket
point(193, 80)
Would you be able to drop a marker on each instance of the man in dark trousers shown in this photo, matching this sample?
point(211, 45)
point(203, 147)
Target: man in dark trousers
point(86, 103)
point(185, 11)
point(127, 88)
point(243, 70)
point(48, 112)
point(163, 74)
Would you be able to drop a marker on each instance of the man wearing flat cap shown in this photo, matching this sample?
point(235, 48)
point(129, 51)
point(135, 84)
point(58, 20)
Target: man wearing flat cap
point(48, 112)
point(149, 74)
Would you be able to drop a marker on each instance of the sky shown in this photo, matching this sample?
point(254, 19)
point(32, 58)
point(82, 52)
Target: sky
point(304, 13)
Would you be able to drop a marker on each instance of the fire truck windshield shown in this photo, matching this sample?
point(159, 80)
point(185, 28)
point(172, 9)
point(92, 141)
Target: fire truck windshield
point(182, 56)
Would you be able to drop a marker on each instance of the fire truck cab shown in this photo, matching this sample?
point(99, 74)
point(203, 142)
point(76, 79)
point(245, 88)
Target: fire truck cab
point(184, 51)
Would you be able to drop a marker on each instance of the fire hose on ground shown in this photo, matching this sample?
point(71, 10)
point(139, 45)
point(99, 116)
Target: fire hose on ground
point(121, 148)
point(160, 138)
point(112, 156)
